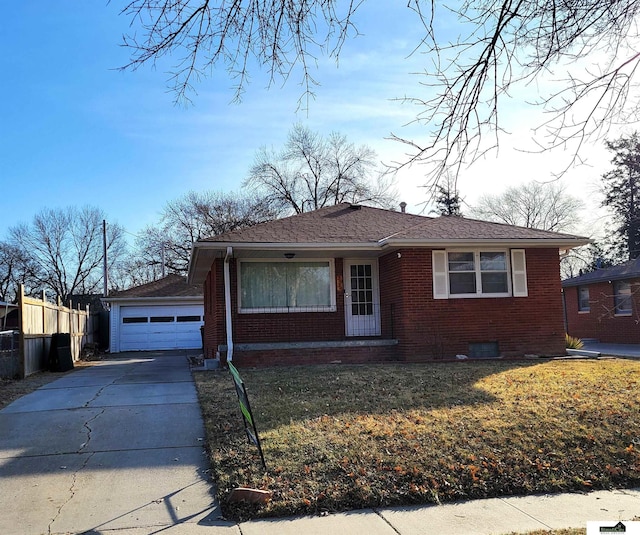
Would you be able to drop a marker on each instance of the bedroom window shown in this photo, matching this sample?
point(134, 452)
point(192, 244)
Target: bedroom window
point(479, 273)
point(292, 286)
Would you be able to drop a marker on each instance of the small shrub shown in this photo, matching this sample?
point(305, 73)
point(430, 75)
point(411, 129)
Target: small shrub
point(573, 343)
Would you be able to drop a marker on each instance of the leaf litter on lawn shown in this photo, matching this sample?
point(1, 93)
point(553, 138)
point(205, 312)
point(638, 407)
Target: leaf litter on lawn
point(347, 437)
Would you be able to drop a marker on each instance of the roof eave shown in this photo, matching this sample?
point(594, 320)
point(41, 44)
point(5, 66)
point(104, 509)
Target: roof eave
point(153, 299)
point(560, 243)
point(578, 281)
point(222, 246)
point(204, 252)
point(389, 242)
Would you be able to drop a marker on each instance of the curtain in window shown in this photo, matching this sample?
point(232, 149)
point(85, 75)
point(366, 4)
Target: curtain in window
point(285, 284)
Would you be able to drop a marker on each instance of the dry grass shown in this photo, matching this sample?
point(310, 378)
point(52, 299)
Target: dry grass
point(347, 437)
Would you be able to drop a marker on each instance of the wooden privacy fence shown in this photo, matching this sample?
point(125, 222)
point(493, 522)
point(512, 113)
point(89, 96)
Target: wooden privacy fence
point(39, 321)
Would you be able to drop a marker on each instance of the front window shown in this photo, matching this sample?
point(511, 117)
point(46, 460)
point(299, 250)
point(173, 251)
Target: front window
point(478, 273)
point(286, 286)
point(622, 297)
point(583, 299)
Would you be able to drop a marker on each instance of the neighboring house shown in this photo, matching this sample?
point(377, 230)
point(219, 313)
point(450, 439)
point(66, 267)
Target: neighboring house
point(603, 304)
point(351, 283)
point(164, 314)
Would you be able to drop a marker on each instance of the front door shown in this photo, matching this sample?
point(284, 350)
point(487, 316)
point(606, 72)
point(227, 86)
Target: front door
point(361, 297)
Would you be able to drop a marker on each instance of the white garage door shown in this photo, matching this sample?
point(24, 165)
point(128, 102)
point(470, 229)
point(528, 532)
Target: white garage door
point(160, 327)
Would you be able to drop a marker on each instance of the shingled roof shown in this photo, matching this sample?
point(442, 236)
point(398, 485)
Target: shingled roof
point(356, 229)
point(170, 286)
point(346, 223)
point(332, 224)
point(628, 270)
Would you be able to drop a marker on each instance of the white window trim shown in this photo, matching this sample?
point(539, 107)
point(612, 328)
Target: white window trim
point(287, 310)
point(441, 278)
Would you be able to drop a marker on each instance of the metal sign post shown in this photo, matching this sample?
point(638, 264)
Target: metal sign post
point(245, 409)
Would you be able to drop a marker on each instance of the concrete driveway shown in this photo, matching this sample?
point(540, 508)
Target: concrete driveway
point(114, 446)
point(616, 350)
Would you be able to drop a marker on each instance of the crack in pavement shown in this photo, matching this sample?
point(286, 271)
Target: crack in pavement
point(87, 426)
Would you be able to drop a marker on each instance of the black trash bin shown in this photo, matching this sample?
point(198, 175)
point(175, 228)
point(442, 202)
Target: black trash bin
point(60, 359)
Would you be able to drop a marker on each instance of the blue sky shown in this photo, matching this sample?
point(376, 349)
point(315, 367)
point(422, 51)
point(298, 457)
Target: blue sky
point(76, 131)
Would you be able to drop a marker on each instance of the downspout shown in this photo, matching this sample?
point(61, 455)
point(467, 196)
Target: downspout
point(227, 303)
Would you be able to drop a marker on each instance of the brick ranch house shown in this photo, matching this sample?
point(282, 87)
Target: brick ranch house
point(603, 304)
point(351, 283)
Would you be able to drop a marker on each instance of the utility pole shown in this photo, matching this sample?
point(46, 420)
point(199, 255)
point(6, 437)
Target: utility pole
point(105, 272)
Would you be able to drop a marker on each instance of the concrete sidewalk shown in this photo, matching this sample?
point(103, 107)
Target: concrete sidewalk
point(116, 448)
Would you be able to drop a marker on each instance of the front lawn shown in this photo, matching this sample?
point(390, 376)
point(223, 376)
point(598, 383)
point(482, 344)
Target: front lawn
point(347, 437)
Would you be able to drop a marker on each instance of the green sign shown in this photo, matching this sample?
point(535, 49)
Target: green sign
point(245, 409)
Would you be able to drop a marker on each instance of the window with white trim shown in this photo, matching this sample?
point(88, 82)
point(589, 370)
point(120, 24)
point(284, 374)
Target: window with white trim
point(622, 298)
point(291, 286)
point(479, 273)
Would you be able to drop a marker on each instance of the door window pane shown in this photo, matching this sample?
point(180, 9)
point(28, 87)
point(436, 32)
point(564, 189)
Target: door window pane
point(162, 319)
point(135, 320)
point(361, 290)
point(185, 319)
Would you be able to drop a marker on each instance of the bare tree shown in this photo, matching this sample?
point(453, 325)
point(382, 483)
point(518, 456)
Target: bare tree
point(586, 259)
point(66, 248)
point(545, 206)
point(503, 46)
point(510, 44)
point(312, 171)
point(166, 246)
point(280, 35)
point(15, 268)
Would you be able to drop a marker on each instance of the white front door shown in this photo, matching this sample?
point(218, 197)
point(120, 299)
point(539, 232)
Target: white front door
point(361, 297)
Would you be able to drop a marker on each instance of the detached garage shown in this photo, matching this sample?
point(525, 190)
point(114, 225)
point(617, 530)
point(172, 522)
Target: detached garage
point(164, 314)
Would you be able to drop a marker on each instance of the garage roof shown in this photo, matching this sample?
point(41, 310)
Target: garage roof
point(170, 286)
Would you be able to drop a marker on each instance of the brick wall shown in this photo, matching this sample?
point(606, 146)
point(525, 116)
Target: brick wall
point(443, 328)
point(601, 322)
point(425, 328)
point(271, 327)
point(337, 355)
point(288, 327)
